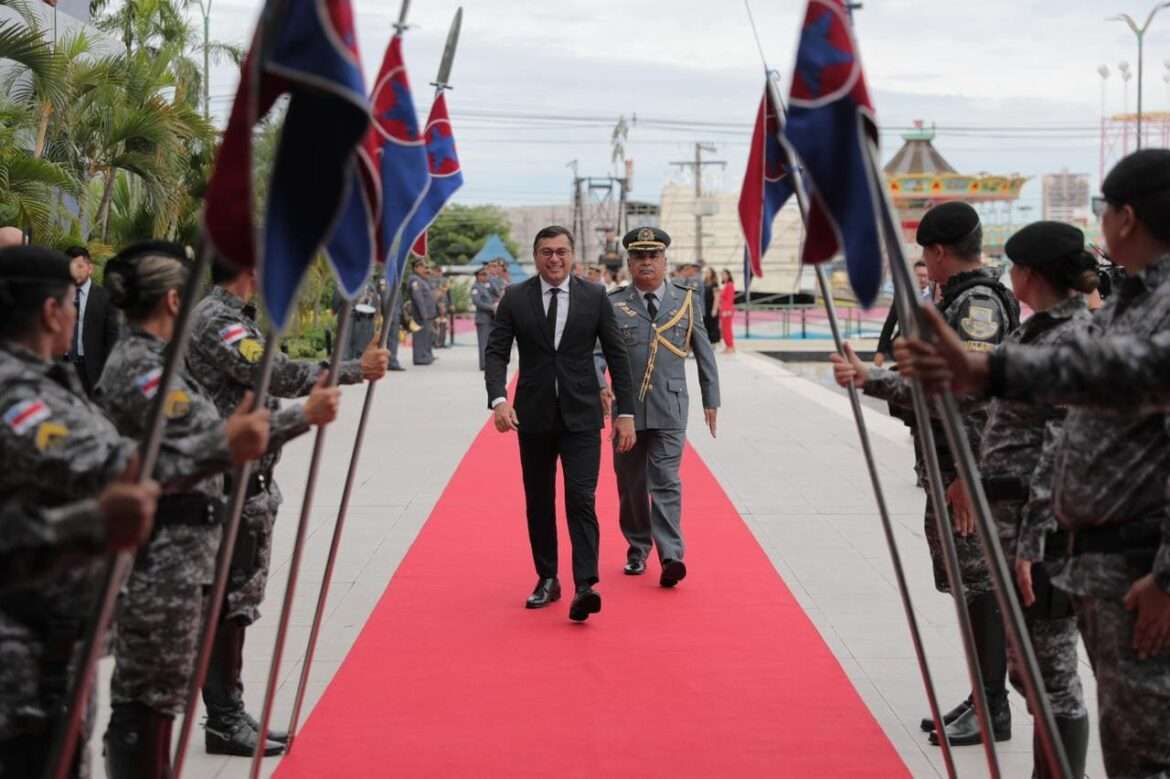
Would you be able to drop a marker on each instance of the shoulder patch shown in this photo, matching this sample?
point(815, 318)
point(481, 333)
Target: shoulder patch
point(232, 333)
point(26, 415)
point(177, 404)
point(148, 382)
point(251, 350)
point(50, 434)
point(982, 321)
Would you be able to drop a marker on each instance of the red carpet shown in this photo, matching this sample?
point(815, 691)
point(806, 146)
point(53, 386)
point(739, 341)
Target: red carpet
point(451, 677)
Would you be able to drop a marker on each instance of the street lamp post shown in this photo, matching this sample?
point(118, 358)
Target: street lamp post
point(1140, 33)
point(1126, 75)
point(205, 10)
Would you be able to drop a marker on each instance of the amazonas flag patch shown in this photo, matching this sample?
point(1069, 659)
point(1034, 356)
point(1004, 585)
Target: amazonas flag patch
point(148, 382)
point(24, 416)
point(232, 333)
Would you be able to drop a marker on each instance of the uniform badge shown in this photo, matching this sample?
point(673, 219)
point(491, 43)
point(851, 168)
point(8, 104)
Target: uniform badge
point(177, 404)
point(646, 234)
point(24, 416)
point(980, 323)
point(50, 434)
point(232, 334)
point(251, 350)
point(148, 382)
point(625, 309)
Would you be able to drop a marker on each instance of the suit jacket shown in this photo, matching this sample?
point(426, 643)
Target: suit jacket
point(549, 374)
point(100, 330)
point(664, 406)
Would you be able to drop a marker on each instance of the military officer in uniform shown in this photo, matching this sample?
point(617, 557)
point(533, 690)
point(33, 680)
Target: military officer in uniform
point(422, 303)
point(361, 320)
point(982, 312)
point(226, 347)
point(485, 310)
point(1112, 470)
point(393, 297)
point(58, 448)
point(661, 322)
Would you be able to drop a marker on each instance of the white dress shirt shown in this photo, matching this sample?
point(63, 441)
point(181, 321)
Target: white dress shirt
point(82, 300)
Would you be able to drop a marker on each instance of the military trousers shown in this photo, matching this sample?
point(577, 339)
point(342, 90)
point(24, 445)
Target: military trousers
point(422, 343)
point(483, 331)
point(361, 332)
point(1133, 695)
point(580, 456)
point(159, 617)
point(248, 576)
point(650, 494)
point(973, 570)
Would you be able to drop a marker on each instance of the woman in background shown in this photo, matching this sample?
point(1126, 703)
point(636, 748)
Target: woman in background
point(727, 311)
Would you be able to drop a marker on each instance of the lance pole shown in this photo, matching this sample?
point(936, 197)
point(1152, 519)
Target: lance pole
point(1002, 581)
point(241, 476)
point(870, 461)
point(394, 293)
point(343, 325)
point(118, 569)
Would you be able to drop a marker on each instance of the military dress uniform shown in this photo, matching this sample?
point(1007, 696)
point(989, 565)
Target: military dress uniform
point(162, 607)
point(223, 355)
point(422, 302)
point(485, 314)
point(659, 328)
point(58, 448)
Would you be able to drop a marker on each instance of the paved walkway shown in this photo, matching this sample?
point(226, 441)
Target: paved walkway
point(788, 457)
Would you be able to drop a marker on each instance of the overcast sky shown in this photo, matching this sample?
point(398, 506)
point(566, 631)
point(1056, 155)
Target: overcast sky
point(1024, 67)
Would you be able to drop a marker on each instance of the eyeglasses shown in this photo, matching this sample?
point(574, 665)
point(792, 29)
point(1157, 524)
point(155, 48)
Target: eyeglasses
point(548, 254)
point(1098, 204)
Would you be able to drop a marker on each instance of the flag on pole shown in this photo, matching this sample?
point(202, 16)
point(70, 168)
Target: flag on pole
point(307, 49)
point(767, 185)
point(828, 133)
point(401, 155)
point(445, 177)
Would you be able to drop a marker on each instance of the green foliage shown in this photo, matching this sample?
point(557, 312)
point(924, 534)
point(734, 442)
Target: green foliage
point(461, 296)
point(459, 232)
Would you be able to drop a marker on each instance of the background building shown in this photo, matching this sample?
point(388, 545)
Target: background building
point(1065, 198)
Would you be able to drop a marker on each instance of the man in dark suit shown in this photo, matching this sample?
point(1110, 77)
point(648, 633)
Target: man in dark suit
point(556, 320)
point(97, 328)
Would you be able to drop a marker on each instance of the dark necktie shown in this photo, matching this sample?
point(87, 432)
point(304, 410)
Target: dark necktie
point(651, 304)
point(551, 316)
point(77, 324)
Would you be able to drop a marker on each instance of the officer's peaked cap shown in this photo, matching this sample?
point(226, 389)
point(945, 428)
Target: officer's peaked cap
point(646, 239)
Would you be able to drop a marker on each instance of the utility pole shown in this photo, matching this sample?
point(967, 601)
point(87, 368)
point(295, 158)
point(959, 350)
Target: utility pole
point(697, 166)
point(577, 216)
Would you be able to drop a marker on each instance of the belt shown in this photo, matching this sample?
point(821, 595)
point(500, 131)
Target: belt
point(258, 483)
point(356, 315)
point(1005, 488)
point(1126, 538)
point(189, 509)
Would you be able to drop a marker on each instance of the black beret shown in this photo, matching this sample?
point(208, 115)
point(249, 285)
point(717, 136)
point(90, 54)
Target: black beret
point(947, 224)
point(1041, 243)
point(1141, 173)
point(34, 264)
point(646, 239)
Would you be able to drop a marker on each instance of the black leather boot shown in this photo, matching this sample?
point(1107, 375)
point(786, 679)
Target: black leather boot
point(927, 723)
point(229, 729)
point(138, 743)
point(991, 651)
point(1074, 734)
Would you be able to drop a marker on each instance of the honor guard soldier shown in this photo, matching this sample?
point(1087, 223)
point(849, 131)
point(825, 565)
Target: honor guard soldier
point(225, 351)
point(485, 310)
point(424, 311)
point(162, 607)
point(661, 322)
point(982, 312)
point(58, 449)
point(1111, 470)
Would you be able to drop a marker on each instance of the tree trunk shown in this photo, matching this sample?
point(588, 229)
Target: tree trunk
point(46, 110)
point(104, 208)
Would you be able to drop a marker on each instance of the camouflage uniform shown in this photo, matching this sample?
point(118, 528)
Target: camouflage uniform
point(1110, 489)
point(58, 447)
point(982, 319)
point(36, 543)
point(224, 353)
point(162, 606)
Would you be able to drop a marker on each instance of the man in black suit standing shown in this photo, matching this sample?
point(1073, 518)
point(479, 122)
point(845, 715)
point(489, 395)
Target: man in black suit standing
point(556, 320)
point(97, 327)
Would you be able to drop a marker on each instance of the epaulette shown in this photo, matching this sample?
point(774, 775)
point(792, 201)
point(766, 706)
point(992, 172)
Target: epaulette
point(621, 288)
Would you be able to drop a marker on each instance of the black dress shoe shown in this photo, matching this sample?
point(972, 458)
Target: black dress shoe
point(927, 723)
point(585, 602)
point(964, 731)
point(279, 736)
point(396, 367)
point(547, 591)
point(635, 568)
point(673, 572)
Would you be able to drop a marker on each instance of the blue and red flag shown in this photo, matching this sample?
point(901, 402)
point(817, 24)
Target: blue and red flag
point(767, 185)
point(829, 131)
point(308, 49)
point(446, 177)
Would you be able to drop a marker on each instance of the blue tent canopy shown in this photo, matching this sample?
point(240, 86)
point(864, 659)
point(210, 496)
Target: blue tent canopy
point(494, 249)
